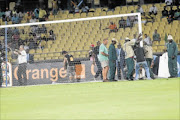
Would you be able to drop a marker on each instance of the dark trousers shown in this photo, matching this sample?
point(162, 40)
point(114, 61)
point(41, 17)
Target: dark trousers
point(130, 67)
point(172, 65)
point(99, 71)
point(41, 19)
point(149, 61)
point(156, 66)
point(150, 13)
point(112, 65)
point(22, 71)
point(120, 67)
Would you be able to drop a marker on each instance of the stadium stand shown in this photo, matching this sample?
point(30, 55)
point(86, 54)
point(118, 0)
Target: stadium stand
point(50, 49)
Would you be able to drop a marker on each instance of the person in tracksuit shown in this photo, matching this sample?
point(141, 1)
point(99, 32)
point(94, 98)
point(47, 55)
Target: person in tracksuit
point(172, 57)
point(112, 60)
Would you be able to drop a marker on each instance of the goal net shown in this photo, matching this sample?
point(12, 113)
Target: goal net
point(44, 43)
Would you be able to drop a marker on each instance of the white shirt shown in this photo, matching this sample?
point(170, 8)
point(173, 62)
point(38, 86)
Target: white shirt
point(168, 2)
point(140, 10)
point(148, 41)
point(32, 20)
point(134, 40)
point(8, 13)
point(23, 57)
point(26, 47)
point(153, 9)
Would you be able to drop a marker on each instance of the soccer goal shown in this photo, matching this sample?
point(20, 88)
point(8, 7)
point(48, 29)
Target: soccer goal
point(45, 41)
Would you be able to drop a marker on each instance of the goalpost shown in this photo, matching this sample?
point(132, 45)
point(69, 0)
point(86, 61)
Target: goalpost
point(72, 35)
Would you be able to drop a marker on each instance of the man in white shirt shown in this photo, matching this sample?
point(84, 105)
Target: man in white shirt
point(8, 13)
point(147, 39)
point(22, 61)
point(134, 38)
point(168, 2)
point(153, 10)
point(32, 20)
point(140, 9)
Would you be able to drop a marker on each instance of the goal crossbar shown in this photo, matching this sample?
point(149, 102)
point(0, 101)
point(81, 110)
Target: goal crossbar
point(79, 19)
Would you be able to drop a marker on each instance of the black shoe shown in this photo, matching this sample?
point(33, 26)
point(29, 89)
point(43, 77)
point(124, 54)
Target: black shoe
point(105, 80)
point(129, 79)
point(95, 76)
point(114, 80)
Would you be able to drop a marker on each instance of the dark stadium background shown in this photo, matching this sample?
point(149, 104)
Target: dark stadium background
point(103, 3)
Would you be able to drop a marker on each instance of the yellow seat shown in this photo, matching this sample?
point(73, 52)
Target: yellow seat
point(77, 15)
point(48, 58)
point(90, 14)
point(45, 50)
point(38, 51)
point(64, 16)
point(32, 51)
point(41, 59)
point(37, 56)
point(70, 16)
point(103, 13)
point(66, 12)
point(109, 13)
point(105, 9)
point(128, 1)
point(96, 14)
point(92, 10)
point(117, 8)
point(83, 15)
point(98, 10)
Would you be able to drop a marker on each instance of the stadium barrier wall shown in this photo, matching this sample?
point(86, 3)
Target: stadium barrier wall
point(46, 73)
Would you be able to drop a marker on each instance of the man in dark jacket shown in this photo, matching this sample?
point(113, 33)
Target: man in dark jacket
point(96, 53)
point(112, 60)
point(69, 65)
point(140, 61)
point(120, 62)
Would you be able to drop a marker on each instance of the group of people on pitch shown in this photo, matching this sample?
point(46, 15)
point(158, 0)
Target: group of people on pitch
point(134, 54)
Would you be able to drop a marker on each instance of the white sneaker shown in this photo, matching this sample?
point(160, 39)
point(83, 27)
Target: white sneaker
point(53, 82)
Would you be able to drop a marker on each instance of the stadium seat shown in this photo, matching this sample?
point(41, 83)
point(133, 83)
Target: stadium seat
point(109, 13)
point(105, 9)
point(98, 10)
point(103, 13)
point(83, 15)
point(128, 1)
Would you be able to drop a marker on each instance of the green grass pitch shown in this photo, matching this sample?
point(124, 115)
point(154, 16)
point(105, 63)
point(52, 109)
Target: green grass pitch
point(140, 100)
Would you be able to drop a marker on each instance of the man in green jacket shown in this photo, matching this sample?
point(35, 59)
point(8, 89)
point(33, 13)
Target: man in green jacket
point(129, 55)
point(172, 57)
point(112, 60)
